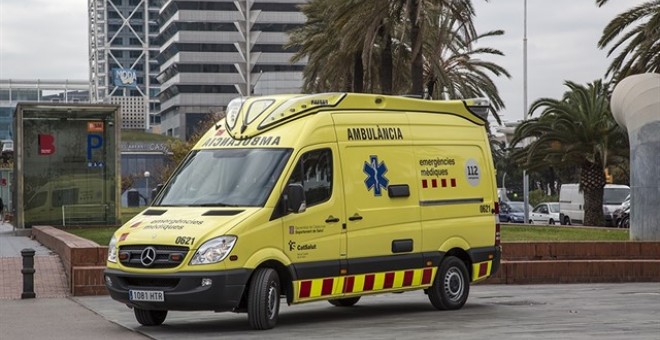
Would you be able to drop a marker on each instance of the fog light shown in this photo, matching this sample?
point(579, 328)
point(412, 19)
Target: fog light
point(108, 281)
point(206, 282)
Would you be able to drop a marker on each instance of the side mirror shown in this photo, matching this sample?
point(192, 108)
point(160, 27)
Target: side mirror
point(295, 198)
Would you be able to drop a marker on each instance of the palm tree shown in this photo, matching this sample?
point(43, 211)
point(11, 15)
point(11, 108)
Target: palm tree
point(453, 66)
point(420, 14)
point(577, 130)
point(339, 34)
point(636, 34)
point(317, 40)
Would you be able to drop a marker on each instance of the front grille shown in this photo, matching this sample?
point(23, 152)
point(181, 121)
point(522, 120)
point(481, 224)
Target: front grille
point(145, 282)
point(163, 256)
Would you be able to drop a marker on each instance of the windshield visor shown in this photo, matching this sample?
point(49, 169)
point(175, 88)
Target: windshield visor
point(225, 178)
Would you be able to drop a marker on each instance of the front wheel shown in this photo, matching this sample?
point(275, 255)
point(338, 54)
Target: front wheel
point(625, 222)
point(345, 302)
point(264, 299)
point(551, 222)
point(451, 287)
point(149, 317)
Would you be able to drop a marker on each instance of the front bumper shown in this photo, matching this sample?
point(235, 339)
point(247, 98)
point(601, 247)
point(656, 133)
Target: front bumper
point(182, 291)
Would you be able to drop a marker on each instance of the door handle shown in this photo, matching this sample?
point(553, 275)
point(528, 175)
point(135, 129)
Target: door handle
point(355, 217)
point(332, 219)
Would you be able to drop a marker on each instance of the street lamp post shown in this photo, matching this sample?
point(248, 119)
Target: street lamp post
point(525, 175)
point(146, 178)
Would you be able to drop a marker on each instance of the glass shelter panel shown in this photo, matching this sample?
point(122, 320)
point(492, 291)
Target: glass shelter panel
point(70, 165)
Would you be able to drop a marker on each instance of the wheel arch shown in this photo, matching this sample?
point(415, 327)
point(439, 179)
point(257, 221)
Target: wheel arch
point(462, 255)
point(285, 277)
point(458, 247)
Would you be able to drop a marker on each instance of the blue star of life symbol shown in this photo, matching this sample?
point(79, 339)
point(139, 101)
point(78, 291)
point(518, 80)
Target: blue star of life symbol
point(375, 175)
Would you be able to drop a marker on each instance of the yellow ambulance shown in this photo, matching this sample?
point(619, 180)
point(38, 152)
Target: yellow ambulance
point(316, 197)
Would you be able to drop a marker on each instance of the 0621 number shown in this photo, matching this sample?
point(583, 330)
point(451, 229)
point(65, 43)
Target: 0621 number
point(184, 240)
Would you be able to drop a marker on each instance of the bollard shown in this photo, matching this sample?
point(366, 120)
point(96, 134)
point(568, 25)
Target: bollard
point(28, 273)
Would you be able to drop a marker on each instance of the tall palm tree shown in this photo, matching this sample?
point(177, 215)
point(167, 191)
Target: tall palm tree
point(577, 130)
point(635, 33)
point(420, 14)
point(453, 66)
point(327, 66)
point(340, 33)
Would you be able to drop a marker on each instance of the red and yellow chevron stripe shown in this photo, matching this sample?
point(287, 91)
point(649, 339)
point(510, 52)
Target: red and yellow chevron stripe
point(323, 288)
point(481, 270)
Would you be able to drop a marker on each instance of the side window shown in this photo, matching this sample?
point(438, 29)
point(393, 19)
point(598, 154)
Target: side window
point(314, 172)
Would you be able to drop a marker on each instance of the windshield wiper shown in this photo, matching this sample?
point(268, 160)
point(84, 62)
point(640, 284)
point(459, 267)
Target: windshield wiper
point(219, 204)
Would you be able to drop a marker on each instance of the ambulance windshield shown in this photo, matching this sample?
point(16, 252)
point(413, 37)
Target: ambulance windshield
point(225, 178)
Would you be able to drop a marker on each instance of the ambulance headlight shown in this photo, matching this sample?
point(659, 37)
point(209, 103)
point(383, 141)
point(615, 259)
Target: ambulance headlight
point(112, 250)
point(214, 250)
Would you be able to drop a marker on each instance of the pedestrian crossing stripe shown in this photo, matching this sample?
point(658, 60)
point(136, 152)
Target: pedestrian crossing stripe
point(328, 287)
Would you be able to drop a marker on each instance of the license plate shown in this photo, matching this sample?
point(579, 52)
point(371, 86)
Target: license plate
point(146, 295)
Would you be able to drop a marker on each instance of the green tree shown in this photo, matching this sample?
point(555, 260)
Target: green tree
point(455, 67)
point(577, 130)
point(635, 35)
point(179, 149)
point(376, 46)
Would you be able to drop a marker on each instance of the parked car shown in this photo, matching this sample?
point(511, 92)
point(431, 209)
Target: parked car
point(622, 214)
point(513, 212)
point(545, 213)
point(7, 146)
point(571, 203)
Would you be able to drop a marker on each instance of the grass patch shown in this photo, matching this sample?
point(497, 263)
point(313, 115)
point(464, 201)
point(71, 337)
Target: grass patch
point(560, 233)
point(510, 233)
point(100, 235)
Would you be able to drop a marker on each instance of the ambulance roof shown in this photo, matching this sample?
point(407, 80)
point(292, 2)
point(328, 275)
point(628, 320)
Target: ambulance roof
point(251, 116)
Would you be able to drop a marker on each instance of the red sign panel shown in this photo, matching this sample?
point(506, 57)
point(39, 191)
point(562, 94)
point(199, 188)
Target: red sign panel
point(46, 144)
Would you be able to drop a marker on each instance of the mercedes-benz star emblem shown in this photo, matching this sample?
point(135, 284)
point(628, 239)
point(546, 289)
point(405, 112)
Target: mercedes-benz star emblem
point(148, 256)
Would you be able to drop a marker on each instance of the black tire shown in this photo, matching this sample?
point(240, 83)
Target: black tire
point(551, 222)
point(451, 286)
point(531, 222)
point(149, 317)
point(345, 302)
point(567, 220)
point(264, 299)
point(625, 222)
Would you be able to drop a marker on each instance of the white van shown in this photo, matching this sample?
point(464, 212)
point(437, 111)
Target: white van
point(571, 203)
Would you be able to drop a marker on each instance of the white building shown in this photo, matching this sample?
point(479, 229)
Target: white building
point(214, 51)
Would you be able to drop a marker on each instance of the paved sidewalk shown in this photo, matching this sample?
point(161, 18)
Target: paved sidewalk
point(52, 314)
point(49, 278)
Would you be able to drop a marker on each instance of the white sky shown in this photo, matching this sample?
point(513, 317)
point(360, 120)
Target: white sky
point(47, 39)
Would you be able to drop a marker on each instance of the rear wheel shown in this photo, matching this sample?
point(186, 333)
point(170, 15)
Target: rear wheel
point(567, 220)
point(531, 222)
point(346, 302)
point(451, 287)
point(551, 222)
point(149, 317)
point(264, 299)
